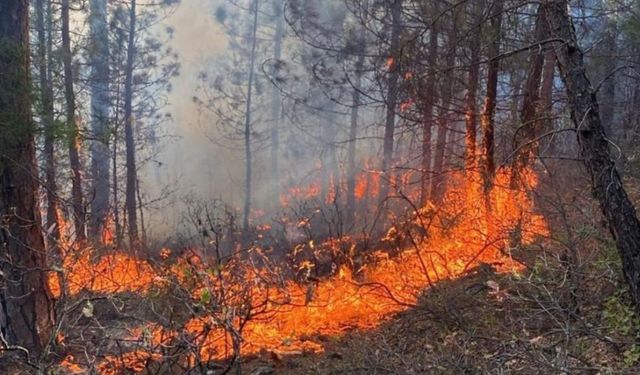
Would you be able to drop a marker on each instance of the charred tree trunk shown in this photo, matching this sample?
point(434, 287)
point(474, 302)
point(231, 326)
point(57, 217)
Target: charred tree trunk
point(606, 182)
point(73, 130)
point(132, 173)
point(247, 123)
point(392, 94)
point(427, 112)
point(99, 58)
point(47, 116)
point(437, 183)
point(487, 119)
point(26, 306)
point(471, 117)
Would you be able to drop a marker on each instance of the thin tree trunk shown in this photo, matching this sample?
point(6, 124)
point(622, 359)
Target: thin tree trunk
point(26, 306)
point(427, 111)
point(392, 94)
point(530, 124)
point(487, 119)
point(471, 117)
point(276, 103)
point(74, 131)
point(607, 94)
point(437, 183)
point(46, 114)
point(606, 182)
point(132, 174)
point(99, 55)
point(353, 131)
point(116, 199)
point(247, 123)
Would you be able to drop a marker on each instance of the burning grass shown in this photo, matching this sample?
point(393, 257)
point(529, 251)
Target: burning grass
point(251, 305)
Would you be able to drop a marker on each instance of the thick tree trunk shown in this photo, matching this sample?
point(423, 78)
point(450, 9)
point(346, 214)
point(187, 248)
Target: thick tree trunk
point(26, 306)
point(132, 172)
point(74, 131)
point(606, 182)
point(487, 119)
point(427, 112)
point(546, 92)
point(444, 115)
point(43, 23)
point(247, 123)
point(99, 59)
point(392, 94)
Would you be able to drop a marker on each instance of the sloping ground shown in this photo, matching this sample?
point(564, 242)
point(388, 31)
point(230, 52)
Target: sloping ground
point(488, 323)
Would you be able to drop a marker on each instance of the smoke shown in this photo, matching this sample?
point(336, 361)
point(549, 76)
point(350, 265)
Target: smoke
point(189, 162)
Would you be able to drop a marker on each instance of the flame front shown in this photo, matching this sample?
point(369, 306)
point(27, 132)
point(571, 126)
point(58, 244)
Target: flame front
point(250, 309)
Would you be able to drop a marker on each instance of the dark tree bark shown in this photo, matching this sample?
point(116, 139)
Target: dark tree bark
point(546, 91)
point(247, 123)
point(607, 94)
point(26, 306)
point(530, 116)
point(392, 93)
point(99, 59)
point(487, 119)
point(73, 130)
point(427, 111)
point(471, 117)
point(43, 23)
point(132, 172)
point(605, 180)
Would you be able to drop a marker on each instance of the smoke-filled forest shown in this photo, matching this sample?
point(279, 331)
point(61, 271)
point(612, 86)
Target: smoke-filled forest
point(319, 187)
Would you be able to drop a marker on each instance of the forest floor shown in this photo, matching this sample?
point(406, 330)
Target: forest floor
point(488, 323)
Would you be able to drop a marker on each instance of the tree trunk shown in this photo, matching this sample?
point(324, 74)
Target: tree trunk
point(487, 119)
point(546, 92)
point(471, 117)
point(132, 173)
point(392, 94)
point(353, 131)
point(606, 182)
point(531, 125)
point(247, 123)
point(427, 111)
point(74, 131)
point(607, 93)
point(99, 58)
point(47, 117)
point(276, 103)
point(438, 180)
point(27, 310)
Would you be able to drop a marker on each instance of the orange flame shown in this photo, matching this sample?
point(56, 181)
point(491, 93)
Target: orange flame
point(288, 317)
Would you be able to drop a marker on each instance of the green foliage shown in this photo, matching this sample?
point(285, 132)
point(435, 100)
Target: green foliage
point(620, 317)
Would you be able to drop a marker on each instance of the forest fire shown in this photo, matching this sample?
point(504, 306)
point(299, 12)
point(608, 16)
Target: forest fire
point(252, 309)
point(344, 186)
